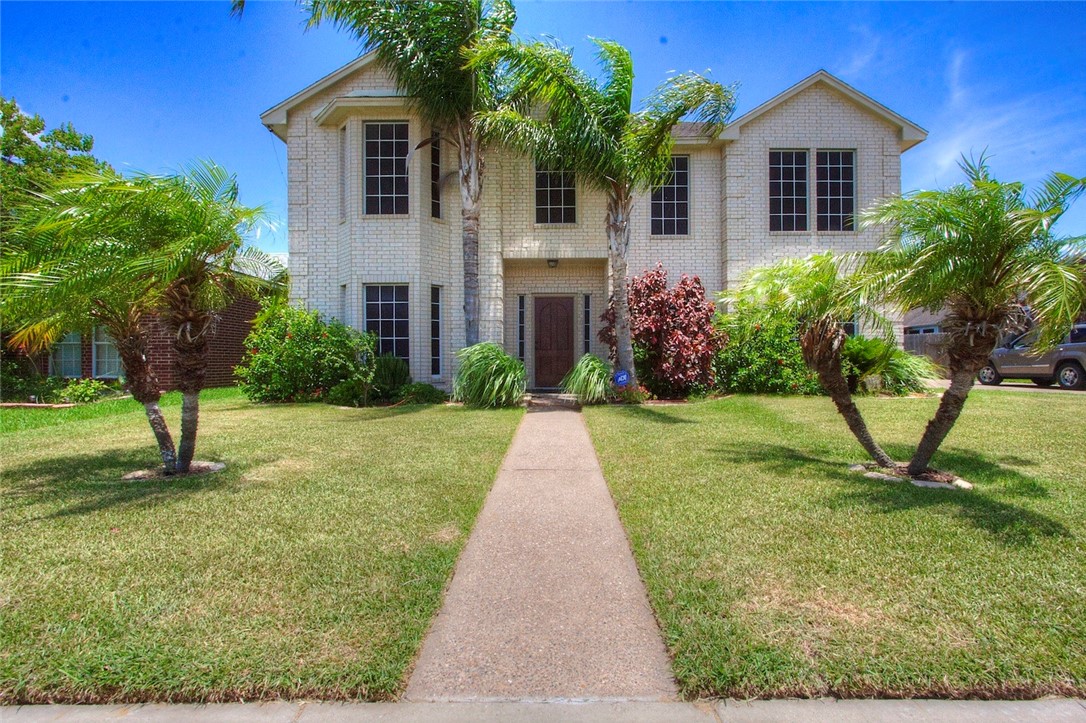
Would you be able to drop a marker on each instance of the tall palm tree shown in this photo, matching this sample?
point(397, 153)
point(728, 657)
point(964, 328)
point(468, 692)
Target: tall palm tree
point(816, 293)
point(982, 250)
point(61, 273)
point(423, 44)
point(568, 120)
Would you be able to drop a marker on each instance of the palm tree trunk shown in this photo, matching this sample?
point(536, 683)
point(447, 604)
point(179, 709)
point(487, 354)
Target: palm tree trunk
point(190, 419)
point(835, 384)
point(142, 383)
point(950, 406)
point(970, 347)
point(619, 203)
point(191, 328)
point(471, 189)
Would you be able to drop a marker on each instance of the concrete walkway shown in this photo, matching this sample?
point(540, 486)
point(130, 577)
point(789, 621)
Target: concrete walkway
point(759, 711)
point(546, 602)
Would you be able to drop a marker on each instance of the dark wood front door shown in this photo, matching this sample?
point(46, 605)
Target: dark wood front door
point(553, 339)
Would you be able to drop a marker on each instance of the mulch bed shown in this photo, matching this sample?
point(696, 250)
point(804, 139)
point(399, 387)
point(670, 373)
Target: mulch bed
point(196, 468)
point(931, 478)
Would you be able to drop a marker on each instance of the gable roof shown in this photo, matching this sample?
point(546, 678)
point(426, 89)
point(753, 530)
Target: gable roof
point(275, 118)
point(911, 134)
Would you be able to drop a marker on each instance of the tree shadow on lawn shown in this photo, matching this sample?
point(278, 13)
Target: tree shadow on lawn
point(83, 484)
point(1010, 524)
point(648, 414)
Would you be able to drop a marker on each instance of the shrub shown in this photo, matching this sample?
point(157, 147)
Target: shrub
point(349, 393)
point(632, 395)
point(421, 393)
point(389, 375)
point(82, 391)
point(19, 381)
point(673, 334)
point(762, 356)
point(294, 355)
point(488, 377)
point(878, 365)
point(589, 380)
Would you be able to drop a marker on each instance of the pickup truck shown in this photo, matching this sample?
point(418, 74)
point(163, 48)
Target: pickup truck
point(1064, 364)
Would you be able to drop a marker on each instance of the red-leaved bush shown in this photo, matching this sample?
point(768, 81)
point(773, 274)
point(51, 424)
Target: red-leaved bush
point(673, 335)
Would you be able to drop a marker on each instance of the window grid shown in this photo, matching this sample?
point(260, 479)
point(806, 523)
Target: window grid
point(788, 190)
point(387, 317)
point(107, 361)
point(386, 168)
point(836, 188)
point(343, 173)
point(521, 303)
point(555, 197)
point(67, 358)
point(435, 175)
point(587, 323)
point(671, 201)
point(435, 331)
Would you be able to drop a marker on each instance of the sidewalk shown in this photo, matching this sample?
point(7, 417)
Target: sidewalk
point(785, 711)
point(546, 601)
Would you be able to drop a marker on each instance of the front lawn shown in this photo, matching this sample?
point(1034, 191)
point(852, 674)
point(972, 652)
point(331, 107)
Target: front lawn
point(774, 571)
point(311, 567)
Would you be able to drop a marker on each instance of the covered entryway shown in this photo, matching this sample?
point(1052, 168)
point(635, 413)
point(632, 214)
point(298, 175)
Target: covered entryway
point(553, 339)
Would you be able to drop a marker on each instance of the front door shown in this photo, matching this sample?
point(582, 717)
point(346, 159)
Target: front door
point(553, 339)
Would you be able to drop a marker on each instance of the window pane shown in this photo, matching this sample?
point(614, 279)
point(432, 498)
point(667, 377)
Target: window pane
point(386, 187)
point(788, 196)
point(669, 212)
point(836, 197)
point(555, 197)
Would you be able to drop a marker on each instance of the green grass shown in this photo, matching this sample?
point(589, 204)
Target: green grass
point(775, 571)
point(312, 566)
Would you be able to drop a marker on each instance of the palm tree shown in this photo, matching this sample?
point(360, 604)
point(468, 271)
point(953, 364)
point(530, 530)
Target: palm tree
point(58, 275)
point(117, 249)
point(199, 263)
point(423, 44)
point(815, 293)
point(568, 120)
point(983, 250)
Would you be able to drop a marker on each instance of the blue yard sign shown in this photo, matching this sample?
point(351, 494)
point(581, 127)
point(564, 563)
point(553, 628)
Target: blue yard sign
point(622, 378)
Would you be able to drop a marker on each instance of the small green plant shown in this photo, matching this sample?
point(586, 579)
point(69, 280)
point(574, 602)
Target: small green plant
point(83, 391)
point(632, 395)
point(349, 393)
point(390, 374)
point(488, 377)
point(421, 393)
point(878, 365)
point(589, 380)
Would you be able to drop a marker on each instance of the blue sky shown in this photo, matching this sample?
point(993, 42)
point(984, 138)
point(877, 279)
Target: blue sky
point(159, 84)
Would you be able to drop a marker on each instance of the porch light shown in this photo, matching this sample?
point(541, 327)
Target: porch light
point(553, 263)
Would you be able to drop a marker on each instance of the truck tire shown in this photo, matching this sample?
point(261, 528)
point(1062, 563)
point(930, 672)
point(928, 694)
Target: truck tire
point(988, 375)
point(1069, 375)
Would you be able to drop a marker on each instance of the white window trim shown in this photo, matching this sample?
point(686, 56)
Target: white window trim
point(94, 357)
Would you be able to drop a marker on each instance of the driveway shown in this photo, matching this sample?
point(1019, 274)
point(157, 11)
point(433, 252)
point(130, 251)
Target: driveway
point(1013, 386)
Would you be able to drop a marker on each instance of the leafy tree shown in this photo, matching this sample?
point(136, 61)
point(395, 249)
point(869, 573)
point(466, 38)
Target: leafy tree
point(31, 158)
point(814, 293)
point(982, 250)
point(423, 44)
point(673, 334)
point(568, 120)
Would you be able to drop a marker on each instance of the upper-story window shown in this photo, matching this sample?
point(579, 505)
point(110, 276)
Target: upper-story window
point(435, 175)
point(788, 190)
point(671, 201)
point(66, 359)
point(386, 168)
point(555, 197)
point(836, 188)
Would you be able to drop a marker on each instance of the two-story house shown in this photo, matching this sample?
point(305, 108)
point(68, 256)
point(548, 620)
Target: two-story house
point(375, 236)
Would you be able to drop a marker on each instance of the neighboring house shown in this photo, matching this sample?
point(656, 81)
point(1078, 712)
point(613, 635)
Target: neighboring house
point(375, 238)
point(95, 356)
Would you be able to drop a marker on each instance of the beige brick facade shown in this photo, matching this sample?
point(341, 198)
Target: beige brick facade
point(335, 253)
